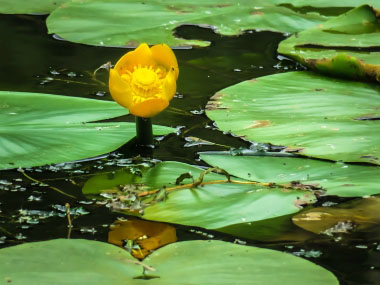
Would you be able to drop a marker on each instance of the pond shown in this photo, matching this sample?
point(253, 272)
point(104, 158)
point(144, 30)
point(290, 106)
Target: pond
point(32, 200)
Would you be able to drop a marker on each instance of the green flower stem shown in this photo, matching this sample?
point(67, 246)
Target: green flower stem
point(144, 131)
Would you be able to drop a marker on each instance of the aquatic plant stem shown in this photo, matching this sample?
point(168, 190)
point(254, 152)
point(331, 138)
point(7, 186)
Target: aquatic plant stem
point(144, 131)
point(51, 187)
point(70, 226)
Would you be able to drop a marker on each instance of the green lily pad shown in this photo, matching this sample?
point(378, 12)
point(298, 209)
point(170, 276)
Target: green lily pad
point(65, 261)
point(201, 262)
point(38, 129)
point(346, 46)
point(124, 23)
point(336, 178)
point(217, 204)
point(112, 179)
point(99, 182)
point(314, 115)
point(29, 7)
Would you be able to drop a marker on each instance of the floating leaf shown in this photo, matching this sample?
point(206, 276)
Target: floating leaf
point(355, 215)
point(124, 23)
point(141, 237)
point(66, 261)
point(201, 262)
point(311, 114)
point(29, 7)
point(336, 178)
point(347, 45)
point(216, 203)
point(79, 261)
point(38, 129)
point(109, 181)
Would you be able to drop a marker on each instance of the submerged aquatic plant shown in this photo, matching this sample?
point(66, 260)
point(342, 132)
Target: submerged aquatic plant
point(144, 80)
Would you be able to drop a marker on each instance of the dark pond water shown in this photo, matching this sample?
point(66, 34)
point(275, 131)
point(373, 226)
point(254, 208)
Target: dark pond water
point(33, 61)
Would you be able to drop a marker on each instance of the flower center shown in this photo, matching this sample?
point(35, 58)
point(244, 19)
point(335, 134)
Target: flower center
point(144, 77)
point(146, 83)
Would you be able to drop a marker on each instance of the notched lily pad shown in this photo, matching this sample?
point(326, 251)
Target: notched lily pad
point(79, 261)
point(124, 23)
point(280, 229)
point(38, 129)
point(345, 46)
point(311, 115)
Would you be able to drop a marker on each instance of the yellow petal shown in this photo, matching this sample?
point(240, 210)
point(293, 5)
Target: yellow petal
point(170, 85)
point(149, 108)
point(141, 55)
point(120, 89)
point(164, 56)
point(144, 80)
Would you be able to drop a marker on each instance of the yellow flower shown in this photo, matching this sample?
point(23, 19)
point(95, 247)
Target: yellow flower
point(144, 80)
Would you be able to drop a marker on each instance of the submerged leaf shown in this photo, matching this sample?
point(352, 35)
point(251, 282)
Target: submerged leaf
point(328, 3)
point(280, 229)
point(144, 236)
point(356, 215)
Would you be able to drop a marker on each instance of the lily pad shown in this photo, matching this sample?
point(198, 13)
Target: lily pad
point(346, 46)
point(124, 23)
point(38, 129)
point(109, 180)
point(336, 178)
point(314, 115)
point(67, 261)
point(201, 262)
point(217, 203)
point(79, 261)
point(30, 6)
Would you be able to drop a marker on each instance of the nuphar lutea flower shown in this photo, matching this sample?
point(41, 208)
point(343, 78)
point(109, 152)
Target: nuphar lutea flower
point(144, 80)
